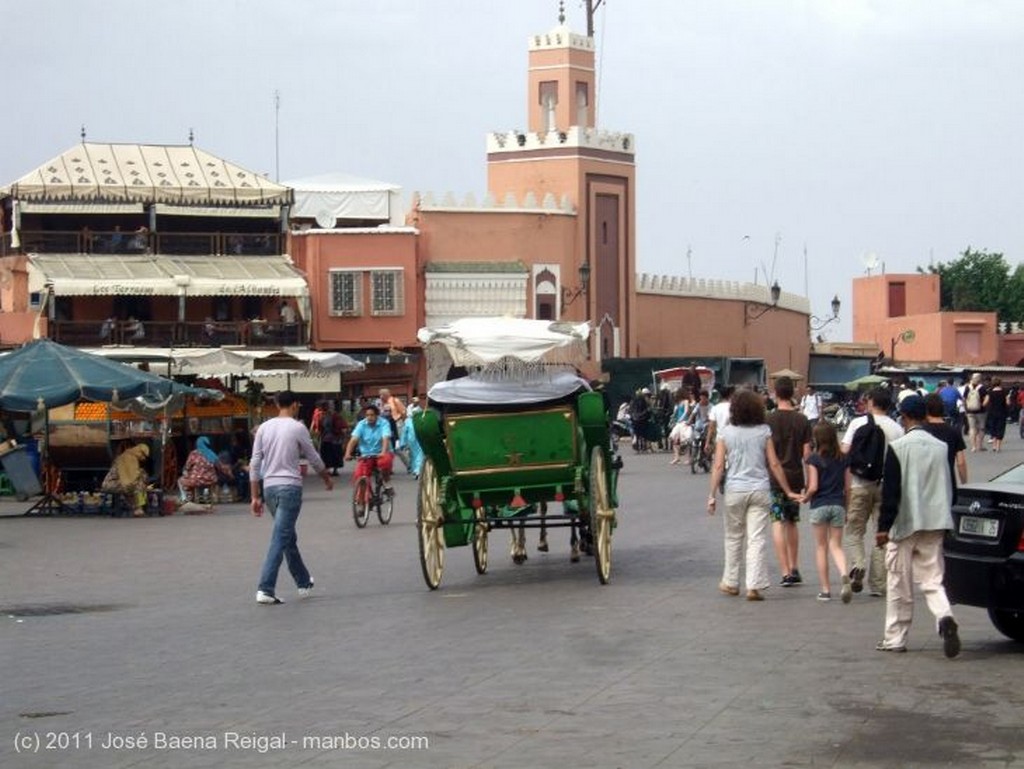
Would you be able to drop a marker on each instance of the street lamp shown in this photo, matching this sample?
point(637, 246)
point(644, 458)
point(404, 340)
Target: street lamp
point(906, 337)
point(753, 310)
point(817, 323)
point(570, 294)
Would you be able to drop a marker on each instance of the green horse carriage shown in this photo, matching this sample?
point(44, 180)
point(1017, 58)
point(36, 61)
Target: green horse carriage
point(516, 431)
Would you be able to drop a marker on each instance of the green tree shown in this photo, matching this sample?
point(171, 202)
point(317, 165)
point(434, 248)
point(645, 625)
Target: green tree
point(1015, 295)
point(978, 281)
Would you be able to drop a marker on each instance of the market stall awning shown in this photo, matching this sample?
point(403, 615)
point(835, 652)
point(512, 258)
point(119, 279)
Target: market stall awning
point(143, 275)
point(46, 374)
point(786, 372)
point(263, 363)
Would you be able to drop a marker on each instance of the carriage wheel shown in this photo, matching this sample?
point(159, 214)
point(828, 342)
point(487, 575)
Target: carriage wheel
point(480, 542)
point(429, 521)
point(601, 515)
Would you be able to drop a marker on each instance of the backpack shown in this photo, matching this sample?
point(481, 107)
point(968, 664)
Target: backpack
point(973, 400)
point(867, 451)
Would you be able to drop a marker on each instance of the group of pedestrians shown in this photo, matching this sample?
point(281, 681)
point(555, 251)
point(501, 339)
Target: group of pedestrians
point(895, 478)
point(981, 406)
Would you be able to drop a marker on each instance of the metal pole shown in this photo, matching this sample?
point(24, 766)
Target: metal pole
point(277, 136)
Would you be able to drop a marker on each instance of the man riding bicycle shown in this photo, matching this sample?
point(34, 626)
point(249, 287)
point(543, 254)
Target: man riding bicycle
point(372, 436)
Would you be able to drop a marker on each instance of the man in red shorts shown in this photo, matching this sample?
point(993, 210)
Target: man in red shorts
point(372, 436)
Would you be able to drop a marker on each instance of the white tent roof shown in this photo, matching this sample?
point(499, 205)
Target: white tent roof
point(145, 173)
point(329, 197)
point(339, 182)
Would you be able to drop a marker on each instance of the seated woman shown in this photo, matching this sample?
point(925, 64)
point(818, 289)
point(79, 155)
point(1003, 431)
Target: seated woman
point(200, 470)
point(127, 477)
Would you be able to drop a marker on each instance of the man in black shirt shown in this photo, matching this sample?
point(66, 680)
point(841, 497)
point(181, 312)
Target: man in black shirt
point(953, 438)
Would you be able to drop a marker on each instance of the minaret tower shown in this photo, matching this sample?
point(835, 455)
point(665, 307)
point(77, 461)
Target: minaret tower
point(564, 154)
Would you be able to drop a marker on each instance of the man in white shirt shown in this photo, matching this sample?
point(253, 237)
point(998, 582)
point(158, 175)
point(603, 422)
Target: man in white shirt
point(865, 499)
point(287, 313)
point(718, 417)
point(810, 405)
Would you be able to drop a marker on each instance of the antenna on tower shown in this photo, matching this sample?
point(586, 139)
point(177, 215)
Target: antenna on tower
point(82, 133)
point(191, 137)
point(592, 6)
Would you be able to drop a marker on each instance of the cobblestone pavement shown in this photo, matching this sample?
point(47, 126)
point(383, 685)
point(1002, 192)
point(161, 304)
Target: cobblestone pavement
point(148, 629)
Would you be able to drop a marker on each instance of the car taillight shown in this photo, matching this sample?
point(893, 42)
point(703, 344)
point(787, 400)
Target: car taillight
point(1020, 544)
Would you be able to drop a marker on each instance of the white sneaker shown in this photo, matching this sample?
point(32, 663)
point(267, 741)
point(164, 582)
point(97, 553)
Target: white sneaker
point(267, 598)
point(306, 592)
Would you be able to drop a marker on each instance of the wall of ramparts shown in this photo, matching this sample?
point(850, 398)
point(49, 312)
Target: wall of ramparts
point(732, 290)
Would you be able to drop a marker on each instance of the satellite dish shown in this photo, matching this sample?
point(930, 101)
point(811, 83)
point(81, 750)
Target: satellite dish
point(325, 219)
point(870, 261)
point(908, 336)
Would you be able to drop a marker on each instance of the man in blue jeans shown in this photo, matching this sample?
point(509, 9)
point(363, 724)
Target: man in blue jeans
point(276, 450)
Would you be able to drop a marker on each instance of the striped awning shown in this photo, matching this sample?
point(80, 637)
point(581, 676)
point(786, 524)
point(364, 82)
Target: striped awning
point(144, 275)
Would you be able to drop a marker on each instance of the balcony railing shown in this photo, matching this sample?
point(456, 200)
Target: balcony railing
point(260, 334)
point(144, 242)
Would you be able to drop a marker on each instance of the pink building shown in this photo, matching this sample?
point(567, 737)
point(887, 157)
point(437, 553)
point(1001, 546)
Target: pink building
point(900, 313)
point(348, 237)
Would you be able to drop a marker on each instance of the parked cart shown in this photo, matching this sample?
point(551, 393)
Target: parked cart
point(519, 432)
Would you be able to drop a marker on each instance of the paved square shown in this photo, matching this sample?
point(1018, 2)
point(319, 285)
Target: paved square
point(147, 630)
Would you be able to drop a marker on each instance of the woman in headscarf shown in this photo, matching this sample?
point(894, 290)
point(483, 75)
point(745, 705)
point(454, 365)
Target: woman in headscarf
point(127, 476)
point(200, 470)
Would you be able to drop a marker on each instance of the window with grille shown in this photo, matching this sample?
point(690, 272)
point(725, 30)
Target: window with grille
point(386, 297)
point(346, 292)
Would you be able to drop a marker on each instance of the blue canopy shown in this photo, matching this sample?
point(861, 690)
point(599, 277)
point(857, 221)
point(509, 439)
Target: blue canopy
point(44, 373)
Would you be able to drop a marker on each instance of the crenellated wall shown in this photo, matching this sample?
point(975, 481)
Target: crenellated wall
point(548, 204)
point(674, 285)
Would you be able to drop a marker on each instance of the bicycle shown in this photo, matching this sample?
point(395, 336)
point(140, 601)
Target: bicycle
point(370, 494)
point(700, 457)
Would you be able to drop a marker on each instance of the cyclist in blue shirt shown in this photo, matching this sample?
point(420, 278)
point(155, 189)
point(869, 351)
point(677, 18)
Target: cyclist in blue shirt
point(372, 436)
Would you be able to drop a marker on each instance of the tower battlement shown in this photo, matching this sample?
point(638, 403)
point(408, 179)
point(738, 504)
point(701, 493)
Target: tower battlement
point(574, 138)
point(560, 37)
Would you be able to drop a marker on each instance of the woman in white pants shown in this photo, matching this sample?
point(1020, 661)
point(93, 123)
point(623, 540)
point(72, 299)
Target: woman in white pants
point(746, 443)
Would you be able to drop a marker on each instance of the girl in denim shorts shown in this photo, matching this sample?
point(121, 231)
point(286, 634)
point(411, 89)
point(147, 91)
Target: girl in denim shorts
point(826, 494)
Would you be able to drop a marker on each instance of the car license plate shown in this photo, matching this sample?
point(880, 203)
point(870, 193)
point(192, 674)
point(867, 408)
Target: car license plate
point(980, 527)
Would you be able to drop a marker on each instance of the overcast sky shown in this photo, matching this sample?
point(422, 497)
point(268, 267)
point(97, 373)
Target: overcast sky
point(846, 127)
